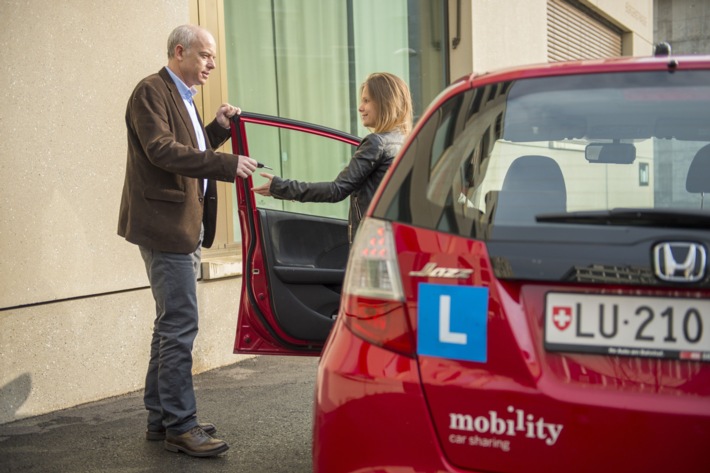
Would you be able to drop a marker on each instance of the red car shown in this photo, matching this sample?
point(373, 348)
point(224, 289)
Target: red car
point(529, 291)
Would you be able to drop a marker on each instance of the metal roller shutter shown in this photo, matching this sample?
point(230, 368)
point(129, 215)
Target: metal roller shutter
point(573, 34)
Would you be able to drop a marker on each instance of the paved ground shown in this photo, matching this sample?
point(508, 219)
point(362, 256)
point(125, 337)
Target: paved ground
point(262, 407)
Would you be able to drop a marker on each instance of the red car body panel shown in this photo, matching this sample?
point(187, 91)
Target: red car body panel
point(524, 408)
point(626, 404)
point(358, 383)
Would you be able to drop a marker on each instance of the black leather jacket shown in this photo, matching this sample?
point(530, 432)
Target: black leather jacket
point(359, 179)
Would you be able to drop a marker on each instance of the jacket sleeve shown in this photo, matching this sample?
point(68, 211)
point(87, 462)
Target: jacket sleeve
point(216, 134)
point(350, 179)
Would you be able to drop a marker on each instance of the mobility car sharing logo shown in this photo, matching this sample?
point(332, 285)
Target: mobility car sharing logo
point(517, 421)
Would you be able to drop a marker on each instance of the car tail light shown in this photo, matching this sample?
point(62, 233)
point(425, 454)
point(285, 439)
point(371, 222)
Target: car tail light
point(373, 300)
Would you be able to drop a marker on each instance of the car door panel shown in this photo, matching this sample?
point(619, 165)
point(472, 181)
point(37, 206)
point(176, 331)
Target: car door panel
point(293, 263)
point(305, 260)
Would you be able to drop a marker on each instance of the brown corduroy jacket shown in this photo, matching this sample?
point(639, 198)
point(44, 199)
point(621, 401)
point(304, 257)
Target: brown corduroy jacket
point(163, 205)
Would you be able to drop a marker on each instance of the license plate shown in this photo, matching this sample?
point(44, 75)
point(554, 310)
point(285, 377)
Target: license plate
point(657, 327)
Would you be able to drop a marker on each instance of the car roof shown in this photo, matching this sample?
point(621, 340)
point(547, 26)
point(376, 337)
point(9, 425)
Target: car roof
point(593, 66)
point(588, 66)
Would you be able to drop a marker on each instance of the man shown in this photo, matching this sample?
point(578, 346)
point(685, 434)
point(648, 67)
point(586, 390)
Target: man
point(168, 209)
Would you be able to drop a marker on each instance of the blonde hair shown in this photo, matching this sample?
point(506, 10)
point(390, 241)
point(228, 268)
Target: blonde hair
point(393, 100)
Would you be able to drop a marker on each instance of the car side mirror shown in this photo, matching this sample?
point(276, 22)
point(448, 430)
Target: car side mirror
point(614, 153)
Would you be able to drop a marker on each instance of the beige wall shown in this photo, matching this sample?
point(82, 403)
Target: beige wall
point(67, 71)
point(59, 355)
point(497, 34)
point(69, 68)
point(508, 33)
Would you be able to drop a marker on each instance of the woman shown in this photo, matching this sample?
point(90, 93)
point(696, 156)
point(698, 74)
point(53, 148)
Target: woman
point(386, 109)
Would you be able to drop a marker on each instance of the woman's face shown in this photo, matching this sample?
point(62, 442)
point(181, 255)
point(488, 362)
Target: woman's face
point(367, 109)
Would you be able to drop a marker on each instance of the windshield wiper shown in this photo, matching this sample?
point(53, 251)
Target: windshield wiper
point(680, 218)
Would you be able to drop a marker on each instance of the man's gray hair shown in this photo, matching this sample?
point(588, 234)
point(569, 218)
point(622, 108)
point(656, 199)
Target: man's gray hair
point(183, 34)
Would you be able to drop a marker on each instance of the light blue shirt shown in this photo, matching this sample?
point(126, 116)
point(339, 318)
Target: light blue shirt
point(187, 93)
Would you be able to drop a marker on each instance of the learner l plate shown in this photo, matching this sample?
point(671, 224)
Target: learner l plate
point(660, 327)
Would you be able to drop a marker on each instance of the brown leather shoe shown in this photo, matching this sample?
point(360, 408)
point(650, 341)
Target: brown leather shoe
point(195, 442)
point(160, 434)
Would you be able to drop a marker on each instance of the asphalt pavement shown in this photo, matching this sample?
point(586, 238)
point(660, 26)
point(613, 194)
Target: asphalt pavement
point(262, 408)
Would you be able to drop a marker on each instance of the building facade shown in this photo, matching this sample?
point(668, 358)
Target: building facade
point(75, 310)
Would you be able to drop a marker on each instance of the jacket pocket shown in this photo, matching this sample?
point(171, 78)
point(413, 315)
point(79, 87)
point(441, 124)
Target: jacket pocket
point(168, 195)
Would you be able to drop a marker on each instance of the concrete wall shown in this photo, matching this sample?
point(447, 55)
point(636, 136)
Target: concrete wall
point(685, 24)
point(58, 355)
point(68, 69)
point(508, 33)
point(68, 332)
point(497, 34)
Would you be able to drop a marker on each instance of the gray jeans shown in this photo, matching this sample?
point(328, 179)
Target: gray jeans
point(169, 395)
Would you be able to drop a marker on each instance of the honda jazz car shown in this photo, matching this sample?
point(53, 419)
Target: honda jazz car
point(529, 290)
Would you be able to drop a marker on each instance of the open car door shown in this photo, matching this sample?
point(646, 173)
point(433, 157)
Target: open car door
point(293, 263)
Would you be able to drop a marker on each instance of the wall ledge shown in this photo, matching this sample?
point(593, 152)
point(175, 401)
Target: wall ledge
point(219, 267)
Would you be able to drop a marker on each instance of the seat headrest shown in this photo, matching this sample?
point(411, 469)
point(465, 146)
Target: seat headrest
point(533, 185)
point(535, 173)
point(698, 179)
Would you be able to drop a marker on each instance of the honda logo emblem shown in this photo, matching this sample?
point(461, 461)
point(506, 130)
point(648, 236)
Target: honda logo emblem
point(679, 261)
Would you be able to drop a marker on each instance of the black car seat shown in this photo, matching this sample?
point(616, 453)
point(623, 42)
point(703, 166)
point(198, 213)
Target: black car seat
point(533, 185)
point(698, 180)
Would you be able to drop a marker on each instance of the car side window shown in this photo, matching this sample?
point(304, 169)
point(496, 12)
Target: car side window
point(445, 131)
point(302, 156)
point(436, 178)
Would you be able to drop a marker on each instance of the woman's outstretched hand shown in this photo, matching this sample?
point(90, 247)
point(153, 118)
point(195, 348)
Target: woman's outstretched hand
point(264, 188)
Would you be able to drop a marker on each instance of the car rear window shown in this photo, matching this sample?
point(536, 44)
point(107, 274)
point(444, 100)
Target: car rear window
point(530, 155)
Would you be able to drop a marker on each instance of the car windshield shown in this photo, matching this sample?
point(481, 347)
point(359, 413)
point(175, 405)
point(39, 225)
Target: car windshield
point(607, 148)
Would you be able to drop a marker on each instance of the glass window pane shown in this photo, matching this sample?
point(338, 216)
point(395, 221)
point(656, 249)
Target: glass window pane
point(306, 60)
point(601, 150)
point(297, 150)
